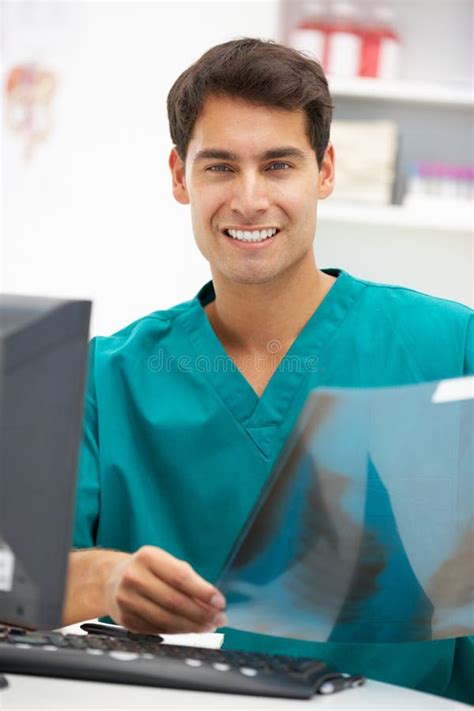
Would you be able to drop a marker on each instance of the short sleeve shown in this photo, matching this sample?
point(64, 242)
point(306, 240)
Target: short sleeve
point(469, 350)
point(88, 482)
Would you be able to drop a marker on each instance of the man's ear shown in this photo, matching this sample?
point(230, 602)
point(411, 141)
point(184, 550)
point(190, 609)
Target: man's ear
point(177, 174)
point(327, 173)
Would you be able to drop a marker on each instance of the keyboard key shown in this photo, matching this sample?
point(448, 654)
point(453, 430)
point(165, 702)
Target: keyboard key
point(220, 666)
point(193, 662)
point(124, 656)
point(248, 671)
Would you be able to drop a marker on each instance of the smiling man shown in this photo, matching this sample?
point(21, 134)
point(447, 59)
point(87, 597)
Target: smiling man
point(188, 408)
point(253, 181)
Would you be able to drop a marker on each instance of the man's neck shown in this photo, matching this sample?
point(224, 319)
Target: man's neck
point(249, 318)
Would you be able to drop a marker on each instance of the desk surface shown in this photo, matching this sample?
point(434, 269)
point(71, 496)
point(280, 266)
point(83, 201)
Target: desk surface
point(44, 694)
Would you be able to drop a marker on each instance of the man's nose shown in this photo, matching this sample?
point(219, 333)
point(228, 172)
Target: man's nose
point(249, 194)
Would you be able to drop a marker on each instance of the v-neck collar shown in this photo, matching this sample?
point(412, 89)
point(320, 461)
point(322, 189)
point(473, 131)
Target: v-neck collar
point(262, 415)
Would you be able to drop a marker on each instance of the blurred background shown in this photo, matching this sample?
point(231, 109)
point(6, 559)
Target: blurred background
point(87, 209)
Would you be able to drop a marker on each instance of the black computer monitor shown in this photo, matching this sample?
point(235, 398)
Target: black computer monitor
point(43, 357)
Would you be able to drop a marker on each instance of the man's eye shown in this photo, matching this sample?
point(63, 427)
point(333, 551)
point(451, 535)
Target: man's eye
point(279, 166)
point(219, 168)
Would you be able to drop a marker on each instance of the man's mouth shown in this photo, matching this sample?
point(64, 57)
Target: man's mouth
point(251, 235)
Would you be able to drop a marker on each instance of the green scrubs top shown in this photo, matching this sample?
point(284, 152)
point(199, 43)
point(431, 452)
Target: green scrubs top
point(177, 445)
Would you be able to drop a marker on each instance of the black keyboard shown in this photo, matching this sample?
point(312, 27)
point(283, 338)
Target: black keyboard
point(143, 659)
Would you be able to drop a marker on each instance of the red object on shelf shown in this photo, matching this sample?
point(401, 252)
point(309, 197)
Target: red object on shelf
point(344, 47)
point(311, 35)
point(380, 52)
point(333, 34)
point(346, 43)
point(369, 57)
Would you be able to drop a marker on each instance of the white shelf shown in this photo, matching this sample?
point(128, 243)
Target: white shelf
point(402, 91)
point(444, 216)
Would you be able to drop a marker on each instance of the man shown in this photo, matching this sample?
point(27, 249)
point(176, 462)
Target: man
point(187, 409)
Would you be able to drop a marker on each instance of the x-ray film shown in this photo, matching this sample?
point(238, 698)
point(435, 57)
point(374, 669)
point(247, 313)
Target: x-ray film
point(364, 532)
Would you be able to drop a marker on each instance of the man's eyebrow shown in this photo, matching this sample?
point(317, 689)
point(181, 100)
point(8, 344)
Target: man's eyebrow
point(284, 152)
point(271, 154)
point(215, 154)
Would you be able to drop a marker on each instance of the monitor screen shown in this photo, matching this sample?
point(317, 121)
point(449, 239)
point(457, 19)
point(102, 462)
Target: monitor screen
point(43, 359)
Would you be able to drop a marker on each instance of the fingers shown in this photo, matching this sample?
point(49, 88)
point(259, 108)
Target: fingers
point(152, 591)
point(161, 601)
point(179, 575)
point(143, 615)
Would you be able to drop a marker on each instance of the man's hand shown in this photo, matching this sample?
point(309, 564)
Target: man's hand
point(149, 591)
point(152, 591)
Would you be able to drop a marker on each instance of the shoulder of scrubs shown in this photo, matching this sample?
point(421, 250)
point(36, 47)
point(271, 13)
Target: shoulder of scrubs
point(135, 342)
point(158, 322)
point(438, 334)
point(138, 339)
point(469, 358)
point(87, 490)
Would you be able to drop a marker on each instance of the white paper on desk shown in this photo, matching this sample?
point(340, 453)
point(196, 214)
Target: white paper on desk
point(208, 640)
point(365, 532)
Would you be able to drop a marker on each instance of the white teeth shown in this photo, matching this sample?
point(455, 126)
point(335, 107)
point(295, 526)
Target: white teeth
point(255, 236)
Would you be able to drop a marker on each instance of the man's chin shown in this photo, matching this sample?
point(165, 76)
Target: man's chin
point(246, 279)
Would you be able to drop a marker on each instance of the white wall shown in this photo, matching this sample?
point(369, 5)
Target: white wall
point(438, 262)
point(92, 214)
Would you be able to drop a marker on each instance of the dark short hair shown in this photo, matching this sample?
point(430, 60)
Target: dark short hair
point(261, 72)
